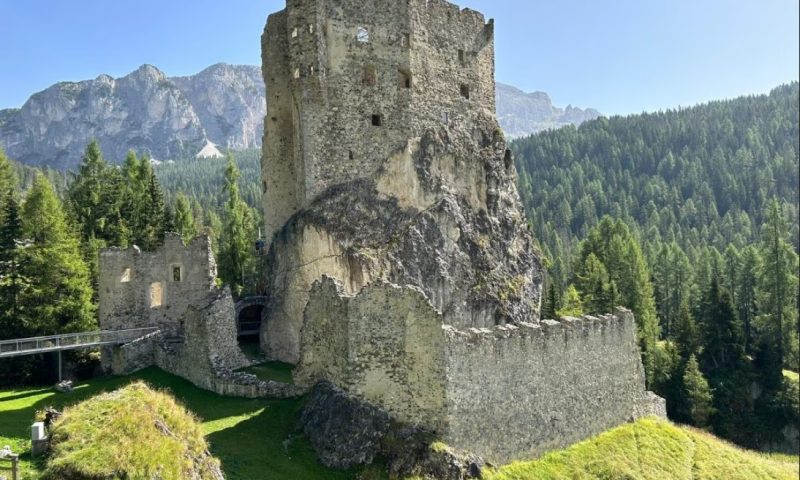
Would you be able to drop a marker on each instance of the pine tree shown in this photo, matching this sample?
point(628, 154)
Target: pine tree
point(686, 333)
point(552, 303)
point(572, 306)
point(723, 336)
point(237, 233)
point(11, 279)
point(7, 181)
point(595, 286)
point(60, 297)
point(184, 218)
point(778, 284)
point(697, 393)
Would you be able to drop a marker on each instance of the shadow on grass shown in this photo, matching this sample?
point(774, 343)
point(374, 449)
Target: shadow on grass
point(268, 446)
point(260, 443)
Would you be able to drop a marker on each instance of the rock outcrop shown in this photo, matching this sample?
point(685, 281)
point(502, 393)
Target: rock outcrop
point(166, 118)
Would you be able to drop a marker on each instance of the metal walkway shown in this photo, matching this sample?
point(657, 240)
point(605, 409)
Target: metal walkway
point(70, 341)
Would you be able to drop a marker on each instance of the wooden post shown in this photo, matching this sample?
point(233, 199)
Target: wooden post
point(59, 366)
point(14, 467)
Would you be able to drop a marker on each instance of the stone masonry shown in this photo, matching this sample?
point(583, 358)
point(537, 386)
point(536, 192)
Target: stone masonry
point(383, 160)
point(401, 266)
point(174, 289)
point(508, 392)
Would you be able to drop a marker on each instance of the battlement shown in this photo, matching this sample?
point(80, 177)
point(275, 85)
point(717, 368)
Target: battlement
point(349, 83)
point(569, 327)
point(549, 384)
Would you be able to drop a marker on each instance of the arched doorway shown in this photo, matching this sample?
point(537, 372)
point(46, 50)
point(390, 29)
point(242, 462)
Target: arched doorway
point(248, 320)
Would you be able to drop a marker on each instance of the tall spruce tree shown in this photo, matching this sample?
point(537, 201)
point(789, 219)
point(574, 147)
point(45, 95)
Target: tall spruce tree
point(778, 287)
point(11, 277)
point(723, 336)
point(237, 234)
point(698, 395)
point(60, 297)
point(185, 224)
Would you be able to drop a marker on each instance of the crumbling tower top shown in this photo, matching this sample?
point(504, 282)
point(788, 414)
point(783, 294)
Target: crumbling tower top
point(350, 82)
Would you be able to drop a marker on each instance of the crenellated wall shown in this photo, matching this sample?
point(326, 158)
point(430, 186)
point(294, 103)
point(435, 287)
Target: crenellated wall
point(508, 392)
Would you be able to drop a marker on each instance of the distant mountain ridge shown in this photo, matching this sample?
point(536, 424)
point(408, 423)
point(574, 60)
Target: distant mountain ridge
point(178, 117)
point(521, 114)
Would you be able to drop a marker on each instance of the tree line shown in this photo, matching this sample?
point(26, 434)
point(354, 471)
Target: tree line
point(53, 226)
point(688, 218)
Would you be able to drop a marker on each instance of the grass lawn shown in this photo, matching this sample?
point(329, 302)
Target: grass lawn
point(277, 371)
point(653, 449)
point(254, 439)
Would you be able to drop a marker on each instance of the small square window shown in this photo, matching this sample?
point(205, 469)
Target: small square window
point(370, 77)
point(362, 35)
point(126, 276)
point(295, 33)
point(377, 121)
point(296, 73)
point(176, 274)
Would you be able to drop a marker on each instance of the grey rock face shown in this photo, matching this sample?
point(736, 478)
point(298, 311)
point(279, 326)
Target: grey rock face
point(522, 114)
point(143, 111)
point(167, 118)
point(229, 99)
point(343, 430)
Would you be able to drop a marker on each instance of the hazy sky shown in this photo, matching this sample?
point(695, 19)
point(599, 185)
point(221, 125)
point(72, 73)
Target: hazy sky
point(619, 56)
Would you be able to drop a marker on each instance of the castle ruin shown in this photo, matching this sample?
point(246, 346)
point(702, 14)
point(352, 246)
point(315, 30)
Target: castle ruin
point(401, 267)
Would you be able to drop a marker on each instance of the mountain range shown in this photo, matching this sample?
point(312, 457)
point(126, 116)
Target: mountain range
point(179, 117)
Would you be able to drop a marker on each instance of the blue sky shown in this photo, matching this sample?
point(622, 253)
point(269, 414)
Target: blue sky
point(619, 56)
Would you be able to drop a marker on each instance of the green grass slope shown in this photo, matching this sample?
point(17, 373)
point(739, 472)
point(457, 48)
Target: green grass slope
point(254, 439)
point(135, 432)
point(653, 449)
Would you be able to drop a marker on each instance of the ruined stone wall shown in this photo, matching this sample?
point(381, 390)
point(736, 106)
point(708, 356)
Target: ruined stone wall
point(385, 345)
point(144, 289)
point(351, 82)
point(517, 391)
point(512, 391)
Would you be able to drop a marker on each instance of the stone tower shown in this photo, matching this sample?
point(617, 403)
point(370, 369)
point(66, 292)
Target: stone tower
point(351, 81)
point(383, 161)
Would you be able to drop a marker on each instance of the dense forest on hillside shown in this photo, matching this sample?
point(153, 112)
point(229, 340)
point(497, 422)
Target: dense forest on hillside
point(690, 218)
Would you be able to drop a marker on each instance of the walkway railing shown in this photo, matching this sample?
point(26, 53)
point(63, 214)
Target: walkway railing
point(70, 341)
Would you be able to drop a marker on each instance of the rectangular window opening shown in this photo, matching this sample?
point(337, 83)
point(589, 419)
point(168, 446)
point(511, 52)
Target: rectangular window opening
point(176, 274)
point(404, 79)
point(296, 73)
point(370, 76)
point(351, 155)
point(362, 35)
point(156, 295)
point(445, 117)
point(126, 276)
point(465, 91)
point(377, 121)
point(311, 28)
point(461, 56)
point(295, 33)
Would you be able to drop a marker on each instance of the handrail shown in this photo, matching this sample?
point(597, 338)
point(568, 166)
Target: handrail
point(70, 341)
